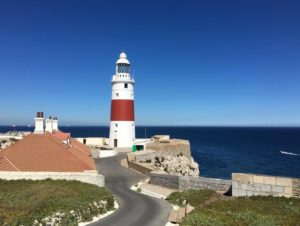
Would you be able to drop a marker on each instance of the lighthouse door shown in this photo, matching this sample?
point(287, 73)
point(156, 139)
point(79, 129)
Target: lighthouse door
point(115, 143)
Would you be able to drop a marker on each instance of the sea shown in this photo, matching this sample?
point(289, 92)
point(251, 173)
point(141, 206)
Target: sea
point(220, 151)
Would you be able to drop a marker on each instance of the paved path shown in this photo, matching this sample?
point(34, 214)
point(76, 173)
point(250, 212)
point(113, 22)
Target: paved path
point(135, 209)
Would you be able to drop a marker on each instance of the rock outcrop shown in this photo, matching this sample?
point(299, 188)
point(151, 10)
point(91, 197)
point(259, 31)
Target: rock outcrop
point(180, 166)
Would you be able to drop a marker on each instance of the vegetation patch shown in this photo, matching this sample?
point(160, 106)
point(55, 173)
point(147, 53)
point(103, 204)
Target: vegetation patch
point(254, 211)
point(194, 197)
point(27, 202)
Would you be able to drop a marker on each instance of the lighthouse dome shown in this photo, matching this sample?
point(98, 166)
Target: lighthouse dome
point(123, 59)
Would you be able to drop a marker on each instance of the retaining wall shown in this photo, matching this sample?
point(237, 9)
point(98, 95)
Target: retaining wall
point(254, 185)
point(140, 167)
point(183, 183)
point(90, 177)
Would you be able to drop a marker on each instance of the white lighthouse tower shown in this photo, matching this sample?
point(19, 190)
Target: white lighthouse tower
point(122, 125)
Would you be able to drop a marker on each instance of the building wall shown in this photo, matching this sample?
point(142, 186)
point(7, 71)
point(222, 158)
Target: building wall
point(94, 141)
point(184, 183)
point(90, 177)
point(254, 185)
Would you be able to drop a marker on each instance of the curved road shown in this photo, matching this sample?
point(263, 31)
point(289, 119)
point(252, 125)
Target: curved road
point(135, 209)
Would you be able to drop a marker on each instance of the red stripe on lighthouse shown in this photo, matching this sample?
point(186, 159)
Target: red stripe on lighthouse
point(122, 110)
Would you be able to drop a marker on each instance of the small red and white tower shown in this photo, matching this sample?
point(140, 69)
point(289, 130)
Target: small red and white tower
point(122, 125)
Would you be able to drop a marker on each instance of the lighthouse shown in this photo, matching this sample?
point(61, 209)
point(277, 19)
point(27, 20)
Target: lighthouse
point(122, 125)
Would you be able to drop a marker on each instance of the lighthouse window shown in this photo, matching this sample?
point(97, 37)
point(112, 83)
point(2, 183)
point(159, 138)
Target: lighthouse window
point(125, 85)
point(123, 68)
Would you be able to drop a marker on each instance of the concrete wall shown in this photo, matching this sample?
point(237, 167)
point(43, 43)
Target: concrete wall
point(141, 156)
point(90, 177)
point(97, 153)
point(183, 183)
point(253, 185)
point(142, 168)
point(93, 141)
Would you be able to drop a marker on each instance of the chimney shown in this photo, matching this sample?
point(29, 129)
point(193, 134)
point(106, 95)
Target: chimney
point(39, 123)
point(55, 124)
point(49, 125)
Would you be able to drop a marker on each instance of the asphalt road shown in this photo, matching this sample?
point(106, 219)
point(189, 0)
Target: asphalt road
point(135, 209)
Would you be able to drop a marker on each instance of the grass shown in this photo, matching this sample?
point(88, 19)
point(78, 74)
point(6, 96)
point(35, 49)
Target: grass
point(23, 201)
point(194, 197)
point(242, 211)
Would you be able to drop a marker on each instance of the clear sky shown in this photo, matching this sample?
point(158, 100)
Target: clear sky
point(195, 62)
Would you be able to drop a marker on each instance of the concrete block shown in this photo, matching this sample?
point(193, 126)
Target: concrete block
point(180, 214)
point(270, 180)
point(288, 190)
point(242, 177)
point(256, 193)
point(277, 188)
point(249, 193)
point(286, 182)
point(287, 195)
point(250, 187)
point(266, 188)
point(257, 187)
point(244, 186)
point(235, 184)
point(238, 192)
point(258, 179)
point(189, 209)
point(173, 216)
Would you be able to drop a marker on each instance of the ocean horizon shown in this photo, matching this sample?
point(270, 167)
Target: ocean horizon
point(221, 150)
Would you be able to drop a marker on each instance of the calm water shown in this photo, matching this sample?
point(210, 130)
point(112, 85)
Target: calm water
point(223, 150)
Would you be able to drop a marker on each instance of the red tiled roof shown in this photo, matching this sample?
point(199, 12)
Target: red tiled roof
point(46, 152)
point(61, 135)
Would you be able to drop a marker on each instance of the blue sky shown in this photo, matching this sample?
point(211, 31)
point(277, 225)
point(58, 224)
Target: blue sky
point(195, 62)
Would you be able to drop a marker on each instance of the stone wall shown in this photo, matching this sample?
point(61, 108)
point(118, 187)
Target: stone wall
point(90, 177)
point(183, 183)
point(253, 185)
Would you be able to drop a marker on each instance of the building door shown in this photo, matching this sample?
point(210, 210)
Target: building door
point(115, 143)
